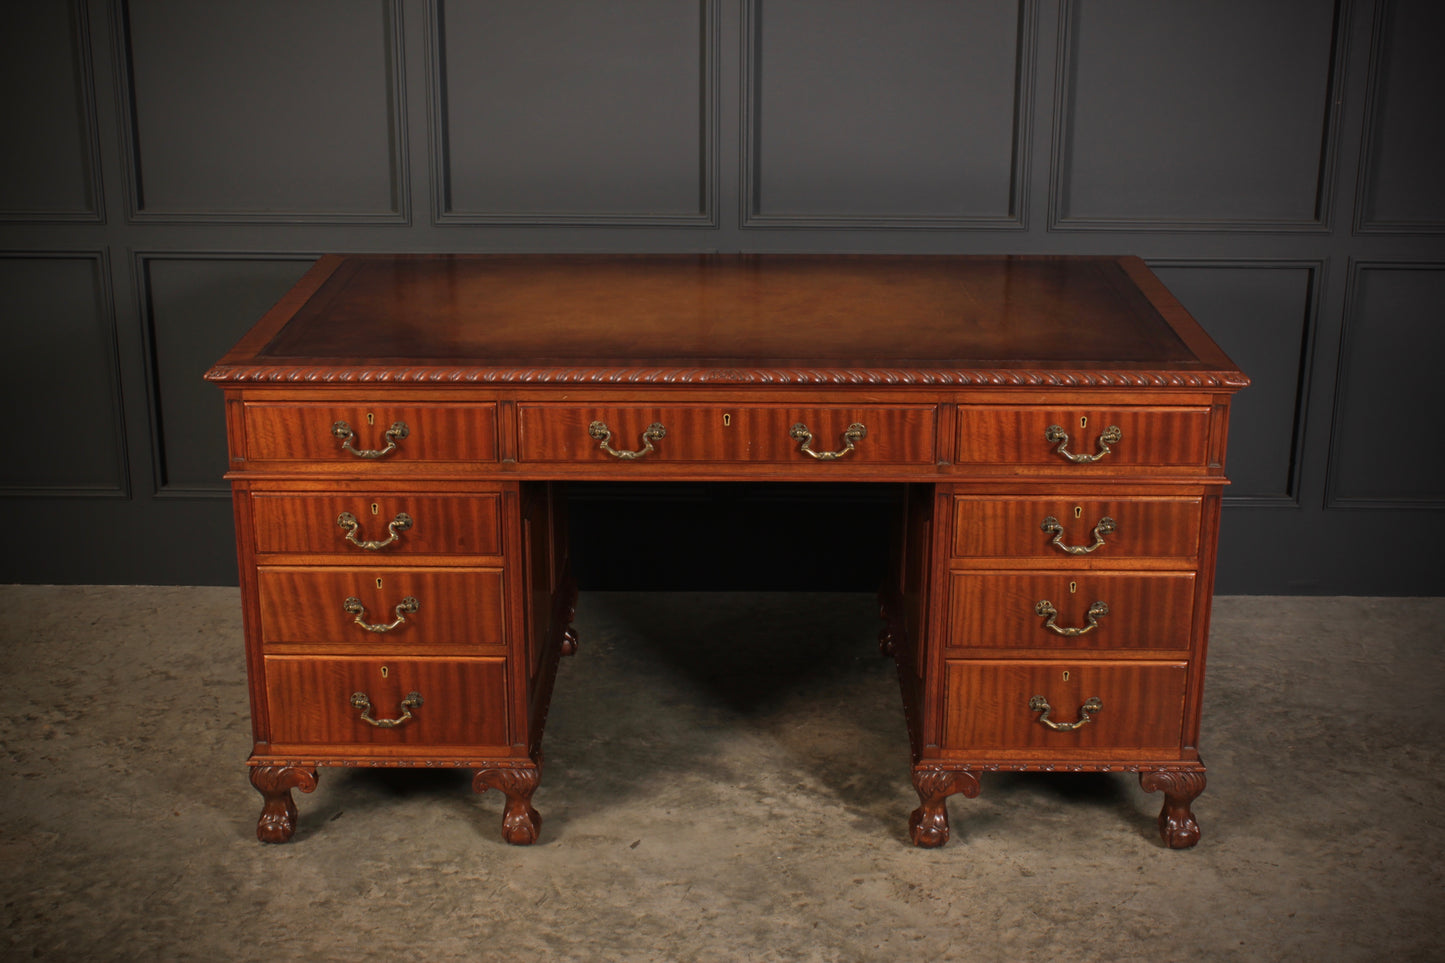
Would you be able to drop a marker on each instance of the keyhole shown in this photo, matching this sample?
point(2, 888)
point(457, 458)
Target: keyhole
point(385, 672)
point(378, 583)
point(1083, 421)
point(1078, 511)
point(376, 508)
point(1073, 586)
point(370, 418)
point(1066, 674)
point(727, 420)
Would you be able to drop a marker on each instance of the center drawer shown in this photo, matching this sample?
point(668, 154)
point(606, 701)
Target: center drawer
point(576, 432)
point(313, 702)
point(406, 608)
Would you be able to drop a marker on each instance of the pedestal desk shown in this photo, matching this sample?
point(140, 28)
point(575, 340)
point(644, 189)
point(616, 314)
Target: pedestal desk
point(400, 428)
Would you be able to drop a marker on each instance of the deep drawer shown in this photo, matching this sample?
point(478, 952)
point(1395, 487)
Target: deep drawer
point(1152, 611)
point(988, 705)
point(1033, 435)
point(377, 523)
point(463, 702)
point(310, 606)
point(892, 435)
point(318, 433)
point(1114, 528)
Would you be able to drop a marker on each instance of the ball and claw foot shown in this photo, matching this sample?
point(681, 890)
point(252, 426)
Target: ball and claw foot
point(928, 824)
point(1177, 825)
point(278, 810)
point(569, 641)
point(521, 824)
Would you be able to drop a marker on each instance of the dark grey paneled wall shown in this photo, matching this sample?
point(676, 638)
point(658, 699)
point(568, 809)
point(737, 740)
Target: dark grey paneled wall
point(172, 167)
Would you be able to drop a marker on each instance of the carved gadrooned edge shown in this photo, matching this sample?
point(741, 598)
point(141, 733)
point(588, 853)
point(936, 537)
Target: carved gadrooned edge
point(478, 762)
point(1007, 377)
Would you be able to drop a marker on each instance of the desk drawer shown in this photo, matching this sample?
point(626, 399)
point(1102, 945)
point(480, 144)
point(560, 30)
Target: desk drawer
point(1101, 438)
point(1113, 528)
point(311, 606)
point(1140, 705)
point(1152, 611)
point(891, 435)
point(378, 523)
point(380, 434)
point(463, 702)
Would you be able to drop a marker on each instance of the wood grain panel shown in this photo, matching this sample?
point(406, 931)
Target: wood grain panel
point(895, 435)
point(463, 703)
point(1146, 610)
point(991, 527)
point(441, 524)
point(302, 432)
point(987, 705)
point(992, 435)
point(455, 607)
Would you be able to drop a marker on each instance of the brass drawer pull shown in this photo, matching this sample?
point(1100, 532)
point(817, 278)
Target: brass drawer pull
point(603, 434)
point(404, 608)
point(851, 437)
point(1056, 435)
point(1047, 611)
point(360, 701)
point(1106, 526)
point(1086, 713)
point(348, 522)
point(395, 433)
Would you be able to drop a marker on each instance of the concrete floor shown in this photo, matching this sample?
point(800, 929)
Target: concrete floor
point(690, 814)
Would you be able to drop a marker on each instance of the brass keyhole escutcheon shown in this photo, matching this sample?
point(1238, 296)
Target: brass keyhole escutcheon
point(1066, 674)
point(1078, 511)
point(376, 508)
point(385, 672)
point(378, 583)
point(370, 418)
point(1083, 421)
point(1073, 586)
point(727, 420)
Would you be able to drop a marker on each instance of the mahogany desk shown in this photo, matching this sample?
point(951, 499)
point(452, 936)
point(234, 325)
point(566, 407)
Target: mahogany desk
point(399, 427)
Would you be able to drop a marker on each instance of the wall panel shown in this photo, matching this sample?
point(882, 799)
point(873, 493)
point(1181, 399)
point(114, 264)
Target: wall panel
point(568, 112)
point(196, 307)
point(1194, 116)
point(1263, 315)
point(49, 170)
point(265, 110)
point(1386, 451)
point(1401, 187)
point(870, 113)
point(60, 372)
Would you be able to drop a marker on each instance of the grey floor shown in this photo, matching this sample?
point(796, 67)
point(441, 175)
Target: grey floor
point(693, 814)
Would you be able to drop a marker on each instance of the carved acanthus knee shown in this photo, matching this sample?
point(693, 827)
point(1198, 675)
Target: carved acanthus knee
point(278, 809)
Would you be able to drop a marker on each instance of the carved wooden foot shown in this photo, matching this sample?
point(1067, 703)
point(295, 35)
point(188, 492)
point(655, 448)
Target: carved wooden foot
point(521, 824)
point(569, 641)
point(278, 812)
point(1177, 826)
point(928, 824)
point(569, 615)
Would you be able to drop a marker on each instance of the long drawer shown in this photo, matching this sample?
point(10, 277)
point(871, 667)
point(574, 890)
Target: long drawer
point(993, 705)
point(1080, 611)
point(405, 608)
point(372, 524)
point(354, 435)
point(575, 432)
point(313, 702)
point(1082, 440)
point(1062, 527)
